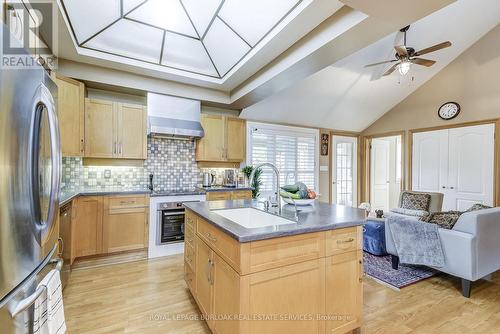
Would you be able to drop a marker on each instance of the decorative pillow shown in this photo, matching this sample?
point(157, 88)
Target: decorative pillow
point(478, 206)
point(412, 201)
point(408, 212)
point(445, 220)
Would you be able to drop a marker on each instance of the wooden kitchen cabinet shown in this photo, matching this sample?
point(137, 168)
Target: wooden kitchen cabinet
point(211, 146)
point(125, 223)
point(224, 139)
point(100, 122)
point(115, 130)
point(71, 114)
point(286, 276)
point(228, 195)
point(346, 295)
point(235, 139)
point(87, 236)
point(131, 131)
point(204, 290)
point(109, 224)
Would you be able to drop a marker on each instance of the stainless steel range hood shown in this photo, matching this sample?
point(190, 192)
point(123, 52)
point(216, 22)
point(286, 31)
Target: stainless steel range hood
point(170, 116)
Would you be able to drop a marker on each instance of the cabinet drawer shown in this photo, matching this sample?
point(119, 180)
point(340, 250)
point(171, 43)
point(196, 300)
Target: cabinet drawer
point(189, 278)
point(127, 201)
point(242, 194)
point(190, 220)
point(343, 240)
point(189, 255)
point(227, 247)
point(218, 196)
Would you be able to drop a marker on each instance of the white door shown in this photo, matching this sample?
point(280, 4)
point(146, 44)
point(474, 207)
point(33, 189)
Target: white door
point(471, 164)
point(458, 163)
point(430, 161)
point(344, 162)
point(379, 174)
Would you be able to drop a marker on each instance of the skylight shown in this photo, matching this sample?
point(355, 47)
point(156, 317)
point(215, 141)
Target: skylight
point(205, 37)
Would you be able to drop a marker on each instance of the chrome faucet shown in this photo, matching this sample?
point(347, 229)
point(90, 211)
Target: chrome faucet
point(276, 171)
point(295, 205)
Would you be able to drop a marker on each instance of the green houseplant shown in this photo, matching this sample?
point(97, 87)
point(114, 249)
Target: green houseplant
point(256, 181)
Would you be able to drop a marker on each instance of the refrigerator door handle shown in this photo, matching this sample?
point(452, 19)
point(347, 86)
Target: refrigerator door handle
point(56, 155)
point(46, 101)
point(24, 304)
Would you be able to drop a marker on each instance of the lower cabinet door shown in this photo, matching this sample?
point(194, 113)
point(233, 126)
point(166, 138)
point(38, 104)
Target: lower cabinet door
point(286, 299)
point(125, 229)
point(87, 226)
point(344, 292)
point(204, 279)
point(226, 290)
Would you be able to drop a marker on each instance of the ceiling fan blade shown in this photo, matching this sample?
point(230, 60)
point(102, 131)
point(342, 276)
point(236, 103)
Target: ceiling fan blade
point(392, 69)
point(423, 62)
point(401, 51)
point(433, 48)
point(382, 62)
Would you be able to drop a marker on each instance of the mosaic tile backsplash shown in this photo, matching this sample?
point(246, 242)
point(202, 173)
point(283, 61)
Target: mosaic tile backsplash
point(171, 161)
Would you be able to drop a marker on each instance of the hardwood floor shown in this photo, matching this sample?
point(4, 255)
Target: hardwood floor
point(143, 296)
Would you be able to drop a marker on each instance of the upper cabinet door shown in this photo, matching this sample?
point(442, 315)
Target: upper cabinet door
point(471, 165)
point(131, 128)
point(211, 146)
point(71, 106)
point(430, 161)
point(235, 139)
point(100, 137)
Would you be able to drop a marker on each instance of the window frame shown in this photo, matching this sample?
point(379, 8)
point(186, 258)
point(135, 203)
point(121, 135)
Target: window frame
point(286, 130)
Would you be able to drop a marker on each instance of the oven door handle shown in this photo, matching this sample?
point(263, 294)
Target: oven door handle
point(173, 214)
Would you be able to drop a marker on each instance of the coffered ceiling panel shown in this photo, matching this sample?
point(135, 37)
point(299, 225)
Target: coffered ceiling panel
point(84, 26)
point(165, 14)
point(129, 38)
point(187, 54)
point(253, 19)
point(207, 38)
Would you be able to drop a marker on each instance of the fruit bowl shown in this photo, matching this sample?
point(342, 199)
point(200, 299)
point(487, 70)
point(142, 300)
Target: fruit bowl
point(299, 202)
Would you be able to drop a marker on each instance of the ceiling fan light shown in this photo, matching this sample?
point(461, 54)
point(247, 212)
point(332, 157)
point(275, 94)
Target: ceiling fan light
point(404, 67)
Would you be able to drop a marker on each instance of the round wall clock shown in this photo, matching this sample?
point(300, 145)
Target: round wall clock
point(449, 110)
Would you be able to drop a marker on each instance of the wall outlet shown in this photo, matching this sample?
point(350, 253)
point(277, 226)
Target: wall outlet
point(107, 173)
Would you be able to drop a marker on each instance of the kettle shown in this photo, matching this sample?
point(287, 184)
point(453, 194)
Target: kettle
point(208, 179)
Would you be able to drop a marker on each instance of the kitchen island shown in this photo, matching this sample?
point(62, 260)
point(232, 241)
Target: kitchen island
point(255, 272)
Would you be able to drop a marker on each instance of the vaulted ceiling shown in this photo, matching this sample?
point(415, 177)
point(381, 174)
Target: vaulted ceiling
point(348, 96)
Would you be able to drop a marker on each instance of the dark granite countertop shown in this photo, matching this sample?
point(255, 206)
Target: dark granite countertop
point(222, 188)
point(319, 217)
point(68, 195)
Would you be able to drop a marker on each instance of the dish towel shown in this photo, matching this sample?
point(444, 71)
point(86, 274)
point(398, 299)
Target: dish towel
point(49, 308)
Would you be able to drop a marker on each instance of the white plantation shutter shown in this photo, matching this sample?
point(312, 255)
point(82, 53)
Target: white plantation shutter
point(293, 150)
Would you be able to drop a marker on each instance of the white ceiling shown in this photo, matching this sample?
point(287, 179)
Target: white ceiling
point(344, 96)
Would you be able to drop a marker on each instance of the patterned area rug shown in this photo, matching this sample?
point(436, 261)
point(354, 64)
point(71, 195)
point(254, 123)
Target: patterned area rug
point(379, 267)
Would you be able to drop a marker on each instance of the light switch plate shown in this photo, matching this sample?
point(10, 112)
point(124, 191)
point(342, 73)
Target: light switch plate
point(107, 173)
point(323, 168)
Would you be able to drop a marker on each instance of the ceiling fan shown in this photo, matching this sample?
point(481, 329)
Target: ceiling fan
point(406, 56)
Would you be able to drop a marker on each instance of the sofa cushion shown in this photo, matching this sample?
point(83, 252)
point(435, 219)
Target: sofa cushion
point(478, 206)
point(415, 201)
point(445, 219)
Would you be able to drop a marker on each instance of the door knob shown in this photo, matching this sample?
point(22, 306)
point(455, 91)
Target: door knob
point(443, 187)
point(452, 187)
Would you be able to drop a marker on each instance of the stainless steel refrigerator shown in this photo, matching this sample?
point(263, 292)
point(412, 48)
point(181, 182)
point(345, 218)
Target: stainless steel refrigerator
point(30, 163)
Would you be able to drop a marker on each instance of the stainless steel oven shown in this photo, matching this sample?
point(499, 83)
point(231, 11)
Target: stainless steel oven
point(170, 222)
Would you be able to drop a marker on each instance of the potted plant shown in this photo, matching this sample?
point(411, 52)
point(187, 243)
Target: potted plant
point(256, 181)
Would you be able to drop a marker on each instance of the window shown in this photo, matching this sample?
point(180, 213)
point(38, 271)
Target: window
point(293, 150)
